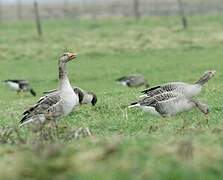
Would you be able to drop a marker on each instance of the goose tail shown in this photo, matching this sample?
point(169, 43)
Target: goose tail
point(135, 104)
point(143, 96)
point(23, 122)
point(40, 118)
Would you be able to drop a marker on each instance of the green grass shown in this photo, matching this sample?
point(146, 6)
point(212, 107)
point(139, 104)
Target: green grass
point(126, 144)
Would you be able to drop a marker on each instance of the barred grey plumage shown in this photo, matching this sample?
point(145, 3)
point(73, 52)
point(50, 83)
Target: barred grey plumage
point(189, 90)
point(168, 104)
point(54, 105)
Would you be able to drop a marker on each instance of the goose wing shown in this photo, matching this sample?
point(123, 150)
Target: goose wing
point(129, 77)
point(123, 78)
point(77, 91)
point(23, 84)
point(163, 89)
point(50, 106)
point(168, 102)
point(153, 101)
point(50, 91)
point(17, 81)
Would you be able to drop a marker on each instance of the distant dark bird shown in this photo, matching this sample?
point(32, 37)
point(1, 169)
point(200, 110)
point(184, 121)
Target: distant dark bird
point(188, 90)
point(169, 104)
point(20, 86)
point(85, 97)
point(134, 80)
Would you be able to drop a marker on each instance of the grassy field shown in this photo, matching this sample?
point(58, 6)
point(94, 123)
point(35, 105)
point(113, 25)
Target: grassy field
point(126, 144)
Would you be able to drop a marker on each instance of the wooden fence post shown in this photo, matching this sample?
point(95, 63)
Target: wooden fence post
point(65, 8)
point(182, 14)
point(1, 11)
point(19, 9)
point(136, 5)
point(38, 23)
point(83, 6)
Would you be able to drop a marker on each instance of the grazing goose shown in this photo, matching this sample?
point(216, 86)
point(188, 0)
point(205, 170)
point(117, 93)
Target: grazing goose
point(55, 105)
point(135, 80)
point(20, 86)
point(169, 104)
point(189, 90)
point(85, 97)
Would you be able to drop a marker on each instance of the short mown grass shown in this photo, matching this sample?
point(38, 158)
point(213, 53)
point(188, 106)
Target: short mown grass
point(125, 144)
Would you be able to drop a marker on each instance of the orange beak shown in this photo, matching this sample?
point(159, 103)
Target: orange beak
point(72, 56)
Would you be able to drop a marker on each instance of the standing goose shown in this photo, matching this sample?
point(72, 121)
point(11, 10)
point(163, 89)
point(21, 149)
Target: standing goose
point(169, 104)
point(189, 90)
point(85, 97)
point(55, 105)
point(134, 80)
point(20, 86)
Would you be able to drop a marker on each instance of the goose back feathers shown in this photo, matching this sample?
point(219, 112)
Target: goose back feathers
point(189, 90)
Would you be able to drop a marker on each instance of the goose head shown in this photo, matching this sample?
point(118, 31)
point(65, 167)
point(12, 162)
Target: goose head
point(206, 77)
point(94, 99)
point(66, 57)
point(203, 107)
point(209, 74)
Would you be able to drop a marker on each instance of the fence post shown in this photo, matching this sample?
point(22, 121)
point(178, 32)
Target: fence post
point(136, 5)
point(19, 9)
point(1, 11)
point(83, 6)
point(182, 14)
point(38, 23)
point(66, 5)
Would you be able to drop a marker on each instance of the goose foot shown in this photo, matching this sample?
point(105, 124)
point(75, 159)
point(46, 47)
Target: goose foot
point(207, 121)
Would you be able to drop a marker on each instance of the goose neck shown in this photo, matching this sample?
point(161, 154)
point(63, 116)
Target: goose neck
point(63, 78)
point(203, 80)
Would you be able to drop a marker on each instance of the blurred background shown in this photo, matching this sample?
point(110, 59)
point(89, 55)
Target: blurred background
point(23, 9)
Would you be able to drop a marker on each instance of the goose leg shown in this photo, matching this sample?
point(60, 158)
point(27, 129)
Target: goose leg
point(207, 120)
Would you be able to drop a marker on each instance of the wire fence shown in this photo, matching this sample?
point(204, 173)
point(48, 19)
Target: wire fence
point(23, 9)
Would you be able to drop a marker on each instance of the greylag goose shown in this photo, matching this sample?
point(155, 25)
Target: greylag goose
point(134, 80)
point(189, 90)
point(85, 97)
point(169, 104)
point(19, 86)
point(55, 105)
